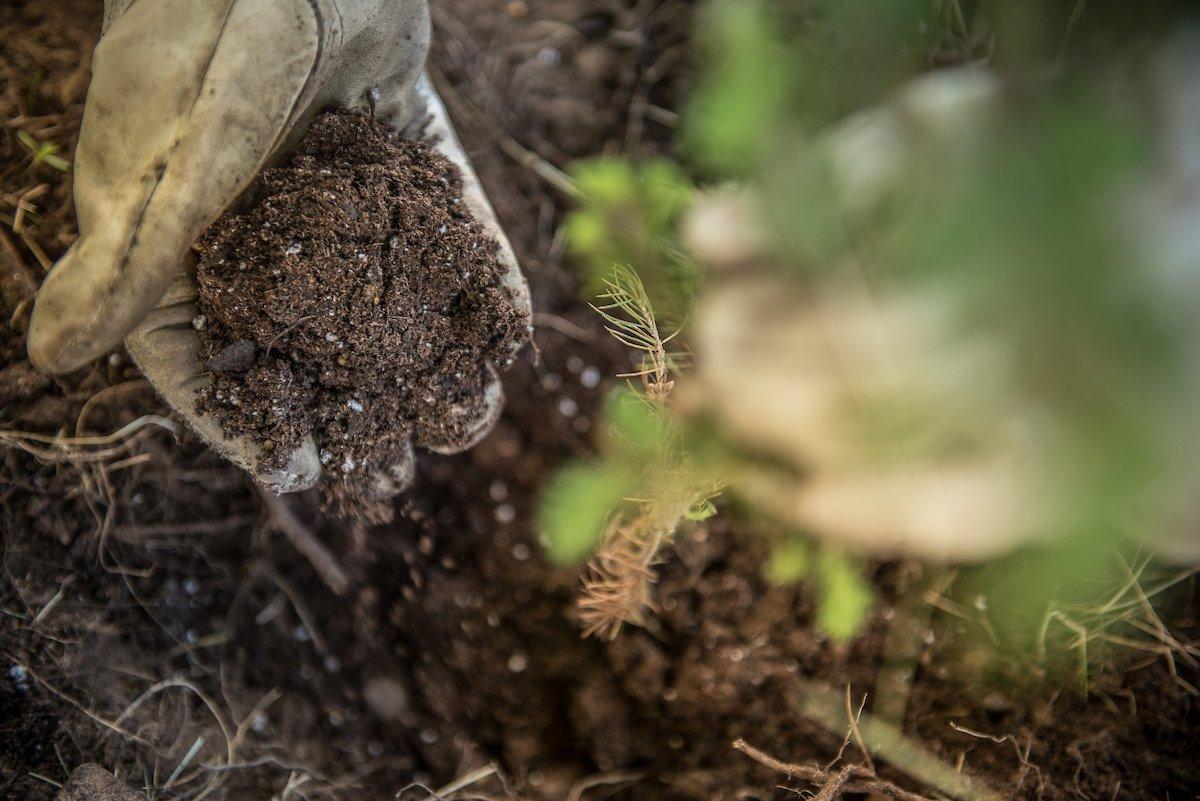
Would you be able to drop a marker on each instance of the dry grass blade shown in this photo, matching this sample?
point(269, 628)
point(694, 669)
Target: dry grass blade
point(1129, 610)
point(85, 449)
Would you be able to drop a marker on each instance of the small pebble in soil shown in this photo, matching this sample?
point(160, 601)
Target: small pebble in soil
point(19, 676)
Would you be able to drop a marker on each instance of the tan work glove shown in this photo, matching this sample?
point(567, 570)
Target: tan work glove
point(189, 100)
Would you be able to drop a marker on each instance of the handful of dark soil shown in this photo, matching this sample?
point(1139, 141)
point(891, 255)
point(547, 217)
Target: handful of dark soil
point(358, 301)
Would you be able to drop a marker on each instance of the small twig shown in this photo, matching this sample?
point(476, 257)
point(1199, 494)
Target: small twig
point(108, 724)
point(888, 742)
point(563, 326)
point(462, 107)
point(303, 540)
point(83, 442)
point(302, 610)
point(834, 784)
point(45, 779)
point(183, 763)
point(53, 602)
point(853, 731)
point(1022, 755)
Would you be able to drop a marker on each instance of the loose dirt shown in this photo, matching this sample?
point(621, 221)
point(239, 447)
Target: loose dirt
point(454, 646)
point(357, 301)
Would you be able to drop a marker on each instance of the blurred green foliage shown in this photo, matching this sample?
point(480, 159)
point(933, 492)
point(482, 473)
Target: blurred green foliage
point(845, 597)
point(628, 214)
point(577, 505)
point(638, 450)
point(1017, 230)
point(789, 560)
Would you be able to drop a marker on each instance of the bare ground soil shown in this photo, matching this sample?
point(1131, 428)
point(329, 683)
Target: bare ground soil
point(160, 617)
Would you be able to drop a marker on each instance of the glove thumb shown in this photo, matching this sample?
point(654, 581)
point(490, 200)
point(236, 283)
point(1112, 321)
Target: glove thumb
point(188, 100)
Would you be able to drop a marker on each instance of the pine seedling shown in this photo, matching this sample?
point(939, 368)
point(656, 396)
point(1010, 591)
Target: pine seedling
point(645, 486)
point(629, 318)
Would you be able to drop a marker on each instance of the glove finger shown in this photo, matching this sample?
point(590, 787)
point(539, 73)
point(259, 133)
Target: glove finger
point(440, 129)
point(397, 478)
point(473, 423)
point(166, 349)
point(187, 102)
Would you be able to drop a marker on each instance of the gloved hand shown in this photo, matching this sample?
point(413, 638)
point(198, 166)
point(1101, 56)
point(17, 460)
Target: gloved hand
point(189, 101)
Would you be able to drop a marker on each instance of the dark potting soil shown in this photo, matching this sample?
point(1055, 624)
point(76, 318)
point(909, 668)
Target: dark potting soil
point(357, 301)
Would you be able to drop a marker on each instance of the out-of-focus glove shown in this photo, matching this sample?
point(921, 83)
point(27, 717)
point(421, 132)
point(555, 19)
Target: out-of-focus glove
point(812, 376)
point(189, 100)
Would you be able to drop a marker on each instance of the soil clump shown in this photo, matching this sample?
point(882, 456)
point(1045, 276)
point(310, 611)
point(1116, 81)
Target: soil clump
point(357, 301)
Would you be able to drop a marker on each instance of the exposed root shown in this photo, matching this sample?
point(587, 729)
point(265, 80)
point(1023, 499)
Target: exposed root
point(1022, 753)
point(831, 784)
point(885, 741)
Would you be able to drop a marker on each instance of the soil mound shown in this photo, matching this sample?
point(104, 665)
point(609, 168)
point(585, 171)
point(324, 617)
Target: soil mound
point(356, 300)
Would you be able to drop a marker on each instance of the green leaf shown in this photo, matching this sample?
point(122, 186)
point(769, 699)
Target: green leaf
point(788, 562)
point(628, 214)
point(606, 181)
point(845, 597)
point(735, 108)
point(635, 429)
point(702, 511)
point(43, 152)
point(576, 506)
point(57, 162)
